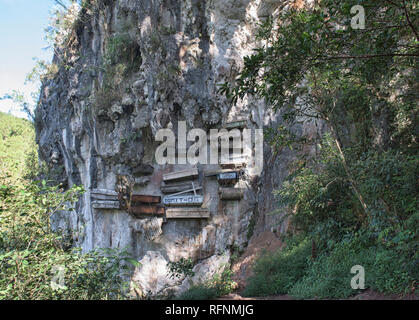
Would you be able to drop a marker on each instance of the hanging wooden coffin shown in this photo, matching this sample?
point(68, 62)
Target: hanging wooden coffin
point(145, 198)
point(232, 166)
point(104, 194)
point(105, 204)
point(231, 193)
point(139, 211)
point(187, 213)
point(183, 200)
point(181, 175)
point(179, 187)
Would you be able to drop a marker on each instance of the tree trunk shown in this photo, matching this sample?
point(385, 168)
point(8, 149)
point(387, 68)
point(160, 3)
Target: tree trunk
point(346, 168)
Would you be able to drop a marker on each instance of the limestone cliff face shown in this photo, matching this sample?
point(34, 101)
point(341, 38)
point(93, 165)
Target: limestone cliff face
point(132, 67)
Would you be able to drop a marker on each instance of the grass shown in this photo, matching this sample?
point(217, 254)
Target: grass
point(388, 269)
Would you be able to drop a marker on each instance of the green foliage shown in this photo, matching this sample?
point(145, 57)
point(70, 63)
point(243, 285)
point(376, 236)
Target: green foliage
point(325, 209)
point(389, 185)
point(179, 268)
point(31, 253)
point(121, 58)
point(199, 292)
point(329, 276)
point(320, 196)
point(30, 250)
point(122, 48)
point(357, 197)
point(313, 65)
point(223, 282)
point(325, 206)
point(308, 41)
point(277, 273)
point(386, 270)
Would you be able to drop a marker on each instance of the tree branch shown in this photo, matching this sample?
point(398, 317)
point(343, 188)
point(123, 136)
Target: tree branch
point(406, 13)
point(368, 56)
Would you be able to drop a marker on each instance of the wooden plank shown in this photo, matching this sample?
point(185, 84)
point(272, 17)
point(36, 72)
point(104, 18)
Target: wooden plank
point(188, 200)
point(187, 213)
point(179, 175)
point(105, 204)
point(231, 193)
point(98, 196)
point(235, 124)
point(138, 211)
point(145, 198)
point(179, 187)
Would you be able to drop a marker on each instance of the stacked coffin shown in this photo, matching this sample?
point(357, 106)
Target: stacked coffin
point(227, 178)
point(145, 205)
point(140, 204)
point(183, 195)
point(231, 172)
point(104, 199)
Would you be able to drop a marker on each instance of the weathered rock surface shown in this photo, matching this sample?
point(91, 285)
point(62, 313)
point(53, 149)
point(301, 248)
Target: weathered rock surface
point(90, 133)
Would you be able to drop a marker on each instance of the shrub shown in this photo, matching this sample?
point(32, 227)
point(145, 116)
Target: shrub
point(329, 275)
point(31, 252)
point(181, 267)
point(221, 284)
point(122, 57)
point(277, 273)
point(199, 292)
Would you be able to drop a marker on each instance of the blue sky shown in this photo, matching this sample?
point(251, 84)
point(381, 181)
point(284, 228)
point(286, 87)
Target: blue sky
point(22, 24)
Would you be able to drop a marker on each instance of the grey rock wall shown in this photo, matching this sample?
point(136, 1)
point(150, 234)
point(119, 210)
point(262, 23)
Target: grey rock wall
point(182, 50)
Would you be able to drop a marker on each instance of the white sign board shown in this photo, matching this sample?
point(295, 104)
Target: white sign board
point(227, 176)
point(183, 200)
